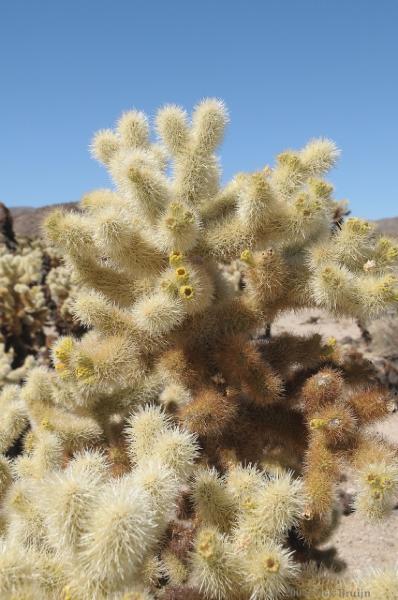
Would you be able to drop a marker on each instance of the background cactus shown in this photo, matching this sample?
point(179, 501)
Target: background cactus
point(174, 451)
point(22, 302)
point(7, 373)
point(35, 300)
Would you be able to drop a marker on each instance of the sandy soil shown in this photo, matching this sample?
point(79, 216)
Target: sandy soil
point(316, 321)
point(360, 545)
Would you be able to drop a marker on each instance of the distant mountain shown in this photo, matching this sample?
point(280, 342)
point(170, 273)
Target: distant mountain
point(27, 220)
point(388, 226)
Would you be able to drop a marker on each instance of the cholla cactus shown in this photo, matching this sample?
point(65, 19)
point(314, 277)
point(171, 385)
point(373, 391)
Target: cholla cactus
point(7, 373)
point(172, 453)
point(23, 309)
point(36, 294)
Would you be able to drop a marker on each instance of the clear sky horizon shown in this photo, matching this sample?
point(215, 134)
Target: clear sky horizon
point(288, 71)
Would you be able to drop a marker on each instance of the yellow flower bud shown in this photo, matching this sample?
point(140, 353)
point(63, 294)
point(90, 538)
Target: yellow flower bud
point(175, 258)
point(186, 292)
point(247, 257)
point(318, 423)
point(182, 274)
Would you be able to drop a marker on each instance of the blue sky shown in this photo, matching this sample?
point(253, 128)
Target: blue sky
point(288, 70)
